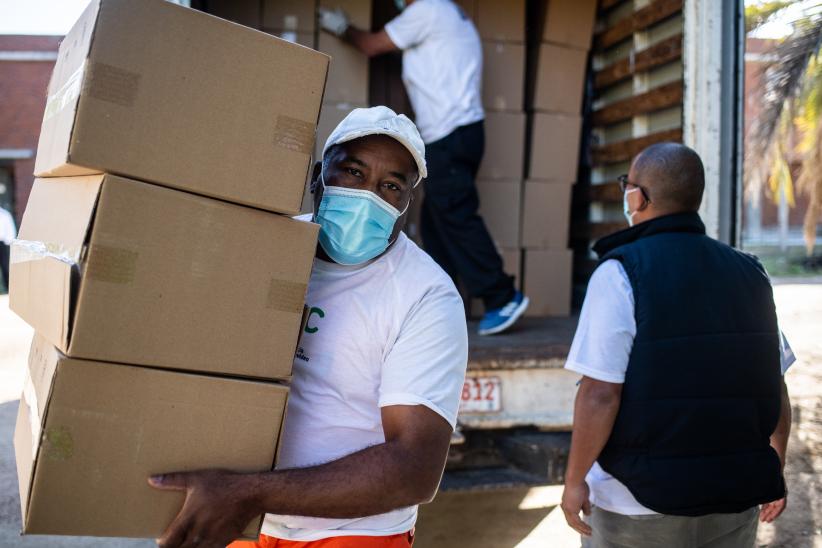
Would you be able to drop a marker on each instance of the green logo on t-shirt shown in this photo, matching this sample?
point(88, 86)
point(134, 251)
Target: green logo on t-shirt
point(313, 310)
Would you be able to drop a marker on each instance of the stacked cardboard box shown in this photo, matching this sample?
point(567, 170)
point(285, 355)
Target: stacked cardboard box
point(166, 310)
point(348, 74)
point(501, 26)
point(292, 20)
point(557, 66)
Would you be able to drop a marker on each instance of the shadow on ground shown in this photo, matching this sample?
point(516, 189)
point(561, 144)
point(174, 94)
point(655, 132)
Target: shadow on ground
point(479, 520)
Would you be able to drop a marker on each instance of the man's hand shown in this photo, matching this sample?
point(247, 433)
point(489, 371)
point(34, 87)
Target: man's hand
point(333, 21)
point(217, 508)
point(574, 500)
point(772, 510)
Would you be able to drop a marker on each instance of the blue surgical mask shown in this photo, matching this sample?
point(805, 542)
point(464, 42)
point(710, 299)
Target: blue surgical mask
point(355, 225)
point(626, 209)
point(400, 4)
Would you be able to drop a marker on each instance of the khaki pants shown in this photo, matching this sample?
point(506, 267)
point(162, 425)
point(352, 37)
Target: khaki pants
point(612, 530)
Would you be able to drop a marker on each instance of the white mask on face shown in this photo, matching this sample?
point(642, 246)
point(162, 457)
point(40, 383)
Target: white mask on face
point(626, 209)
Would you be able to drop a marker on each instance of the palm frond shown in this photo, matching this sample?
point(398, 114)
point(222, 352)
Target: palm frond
point(783, 81)
point(757, 15)
point(809, 182)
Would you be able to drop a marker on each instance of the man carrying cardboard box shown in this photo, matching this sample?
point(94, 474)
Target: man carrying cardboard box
point(377, 378)
point(442, 72)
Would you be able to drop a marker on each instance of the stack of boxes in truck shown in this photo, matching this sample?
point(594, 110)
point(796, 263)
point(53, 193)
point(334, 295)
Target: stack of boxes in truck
point(501, 26)
point(291, 20)
point(347, 86)
point(157, 263)
point(535, 56)
point(348, 74)
point(557, 67)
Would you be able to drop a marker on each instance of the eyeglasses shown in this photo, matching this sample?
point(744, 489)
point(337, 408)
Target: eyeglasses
point(623, 185)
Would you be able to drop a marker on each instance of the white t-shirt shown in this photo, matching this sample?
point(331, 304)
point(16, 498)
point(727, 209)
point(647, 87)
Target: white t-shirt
point(601, 350)
point(390, 332)
point(441, 65)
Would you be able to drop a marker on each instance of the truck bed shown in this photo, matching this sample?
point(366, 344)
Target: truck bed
point(526, 442)
point(531, 343)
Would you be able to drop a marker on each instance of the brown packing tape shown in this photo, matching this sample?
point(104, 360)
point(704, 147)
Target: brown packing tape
point(293, 134)
point(58, 443)
point(111, 264)
point(113, 84)
point(286, 296)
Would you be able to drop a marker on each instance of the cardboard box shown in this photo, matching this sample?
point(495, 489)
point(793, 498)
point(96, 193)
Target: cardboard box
point(246, 12)
point(500, 206)
point(546, 213)
point(89, 434)
point(560, 79)
point(501, 21)
point(348, 72)
point(503, 76)
point(511, 261)
point(504, 146)
point(358, 11)
point(112, 269)
point(204, 105)
point(292, 15)
point(570, 23)
point(295, 37)
point(330, 117)
point(547, 281)
point(554, 146)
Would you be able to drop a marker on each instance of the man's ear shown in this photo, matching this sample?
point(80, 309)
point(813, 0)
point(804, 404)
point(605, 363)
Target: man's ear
point(315, 176)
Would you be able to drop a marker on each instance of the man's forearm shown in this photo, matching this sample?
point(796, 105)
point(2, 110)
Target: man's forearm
point(780, 436)
point(373, 481)
point(359, 39)
point(369, 43)
point(595, 411)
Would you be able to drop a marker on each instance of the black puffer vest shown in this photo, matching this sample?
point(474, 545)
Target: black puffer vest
point(702, 390)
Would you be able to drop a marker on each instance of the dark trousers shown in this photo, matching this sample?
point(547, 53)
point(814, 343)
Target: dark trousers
point(4, 264)
point(452, 231)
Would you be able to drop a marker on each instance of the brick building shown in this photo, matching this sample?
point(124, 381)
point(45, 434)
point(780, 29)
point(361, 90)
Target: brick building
point(25, 68)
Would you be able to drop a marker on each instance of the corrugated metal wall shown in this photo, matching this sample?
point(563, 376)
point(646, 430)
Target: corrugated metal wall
point(635, 99)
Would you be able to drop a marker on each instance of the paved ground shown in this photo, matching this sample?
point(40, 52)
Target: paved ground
point(520, 518)
point(529, 518)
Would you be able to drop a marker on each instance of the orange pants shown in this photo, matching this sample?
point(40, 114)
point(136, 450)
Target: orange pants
point(404, 540)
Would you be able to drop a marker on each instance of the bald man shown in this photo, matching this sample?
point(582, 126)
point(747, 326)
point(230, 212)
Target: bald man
point(682, 417)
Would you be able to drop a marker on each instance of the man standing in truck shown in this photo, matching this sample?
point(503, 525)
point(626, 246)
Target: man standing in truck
point(682, 417)
point(442, 72)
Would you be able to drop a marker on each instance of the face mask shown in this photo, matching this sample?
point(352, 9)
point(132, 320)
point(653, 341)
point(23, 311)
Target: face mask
point(400, 4)
point(626, 210)
point(355, 225)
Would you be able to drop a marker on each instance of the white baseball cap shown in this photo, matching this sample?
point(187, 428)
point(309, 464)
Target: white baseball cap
point(381, 121)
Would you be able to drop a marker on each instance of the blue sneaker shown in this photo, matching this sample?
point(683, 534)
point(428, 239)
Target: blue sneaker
point(497, 321)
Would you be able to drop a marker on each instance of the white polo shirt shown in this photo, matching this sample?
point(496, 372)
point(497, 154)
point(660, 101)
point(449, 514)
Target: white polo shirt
point(601, 350)
point(388, 332)
point(441, 66)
